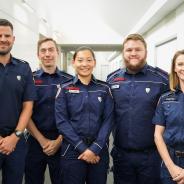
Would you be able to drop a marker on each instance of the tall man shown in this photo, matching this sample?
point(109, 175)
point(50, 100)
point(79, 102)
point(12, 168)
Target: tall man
point(44, 144)
point(136, 90)
point(17, 93)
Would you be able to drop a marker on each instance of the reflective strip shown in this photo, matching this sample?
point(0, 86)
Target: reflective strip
point(78, 144)
point(98, 145)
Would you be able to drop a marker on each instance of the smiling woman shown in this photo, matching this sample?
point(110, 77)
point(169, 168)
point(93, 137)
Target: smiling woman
point(84, 116)
point(169, 126)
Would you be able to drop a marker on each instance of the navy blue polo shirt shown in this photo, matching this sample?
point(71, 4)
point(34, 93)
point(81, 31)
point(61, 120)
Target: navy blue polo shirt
point(136, 97)
point(84, 111)
point(16, 87)
point(170, 114)
point(47, 86)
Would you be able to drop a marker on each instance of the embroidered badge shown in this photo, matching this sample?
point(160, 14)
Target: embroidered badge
point(119, 79)
point(73, 90)
point(18, 77)
point(100, 99)
point(116, 86)
point(147, 90)
point(38, 82)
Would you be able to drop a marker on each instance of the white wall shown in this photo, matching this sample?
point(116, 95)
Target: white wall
point(170, 27)
point(27, 27)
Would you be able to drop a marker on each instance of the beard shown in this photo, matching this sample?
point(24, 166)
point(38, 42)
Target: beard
point(135, 67)
point(5, 52)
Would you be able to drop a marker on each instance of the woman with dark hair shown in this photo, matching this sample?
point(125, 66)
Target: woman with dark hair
point(169, 121)
point(84, 116)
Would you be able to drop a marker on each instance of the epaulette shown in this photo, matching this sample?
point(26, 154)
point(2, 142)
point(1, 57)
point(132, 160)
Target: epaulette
point(20, 60)
point(66, 75)
point(102, 82)
point(113, 74)
point(69, 82)
point(161, 72)
point(168, 94)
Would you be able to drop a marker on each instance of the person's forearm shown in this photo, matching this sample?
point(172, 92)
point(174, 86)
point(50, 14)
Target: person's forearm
point(25, 116)
point(35, 132)
point(163, 151)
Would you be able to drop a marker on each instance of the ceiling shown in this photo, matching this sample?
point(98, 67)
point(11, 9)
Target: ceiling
point(99, 21)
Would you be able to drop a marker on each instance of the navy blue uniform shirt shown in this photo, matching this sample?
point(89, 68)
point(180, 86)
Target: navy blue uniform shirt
point(170, 114)
point(136, 97)
point(16, 87)
point(47, 86)
point(85, 111)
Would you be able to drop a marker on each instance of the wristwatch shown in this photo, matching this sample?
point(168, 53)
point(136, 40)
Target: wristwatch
point(18, 133)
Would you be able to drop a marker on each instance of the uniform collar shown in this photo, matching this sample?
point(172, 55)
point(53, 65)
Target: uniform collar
point(41, 72)
point(76, 79)
point(13, 60)
point(143, 70)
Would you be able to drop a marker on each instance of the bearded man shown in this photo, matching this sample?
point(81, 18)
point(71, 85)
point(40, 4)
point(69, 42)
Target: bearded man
point(136, 90)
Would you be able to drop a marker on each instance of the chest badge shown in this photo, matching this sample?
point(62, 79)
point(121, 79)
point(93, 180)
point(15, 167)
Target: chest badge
point(116, 86)
point(18, 77)
point(100, 99)
point(73, 90)
point(147, 90)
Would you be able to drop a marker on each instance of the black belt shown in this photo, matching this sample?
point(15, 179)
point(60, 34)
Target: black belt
point(179, 153)
point(147, 149)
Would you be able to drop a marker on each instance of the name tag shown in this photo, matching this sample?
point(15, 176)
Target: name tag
point(116, 86)
point(74, 91)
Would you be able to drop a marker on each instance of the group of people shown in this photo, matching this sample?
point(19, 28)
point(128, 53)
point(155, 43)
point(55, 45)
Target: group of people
point(69, 118)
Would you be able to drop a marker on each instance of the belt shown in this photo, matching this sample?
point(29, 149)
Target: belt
point(148, 149)
point(179, 153)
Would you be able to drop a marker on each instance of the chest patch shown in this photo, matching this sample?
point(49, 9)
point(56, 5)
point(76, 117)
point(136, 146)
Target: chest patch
point(38, 82)
point(73, 90)
point(116, 86)
point(147, 90)
point(18, 77)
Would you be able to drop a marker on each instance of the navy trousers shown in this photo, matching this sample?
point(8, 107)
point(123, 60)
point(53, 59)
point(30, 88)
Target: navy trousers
point(74, 171)
point(36, 163)
point(165, 175)
point(12, 165)
point(136, 167)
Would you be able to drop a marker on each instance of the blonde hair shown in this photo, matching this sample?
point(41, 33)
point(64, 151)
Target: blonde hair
point(173, 77)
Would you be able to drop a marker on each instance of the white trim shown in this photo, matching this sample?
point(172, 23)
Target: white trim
point(78, 144)
point(97, 145)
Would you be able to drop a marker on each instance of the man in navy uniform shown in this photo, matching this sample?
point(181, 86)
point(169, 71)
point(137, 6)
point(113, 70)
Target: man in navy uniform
point(44, 144)
point(17, 93)
point(136, 90)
